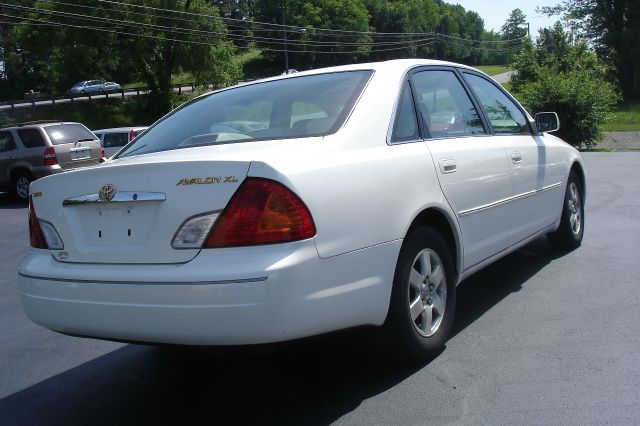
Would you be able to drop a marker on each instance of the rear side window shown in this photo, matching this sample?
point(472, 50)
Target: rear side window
point(6, 142)
point(31, 138)
point(504, 115)
point(115, 139)
point(68, 133)
point(445, 106)
point(298, 107)
point(405, 126)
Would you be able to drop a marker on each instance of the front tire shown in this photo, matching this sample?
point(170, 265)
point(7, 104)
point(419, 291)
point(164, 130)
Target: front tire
point(423, 298)
point(569, 234)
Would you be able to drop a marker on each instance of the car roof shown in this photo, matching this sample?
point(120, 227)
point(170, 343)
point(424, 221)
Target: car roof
point(120, 129)
point(397, 65)
point(43, 123)
point(394, 66)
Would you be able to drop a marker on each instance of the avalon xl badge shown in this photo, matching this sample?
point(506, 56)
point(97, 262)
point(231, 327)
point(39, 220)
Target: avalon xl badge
point(107, 192)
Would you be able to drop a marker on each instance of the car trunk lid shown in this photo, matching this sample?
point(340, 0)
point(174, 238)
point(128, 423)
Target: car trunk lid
point(129, 213)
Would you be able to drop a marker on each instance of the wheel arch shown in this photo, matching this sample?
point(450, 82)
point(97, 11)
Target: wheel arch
point(443, 223)
point(579, 169)
point(19, 169)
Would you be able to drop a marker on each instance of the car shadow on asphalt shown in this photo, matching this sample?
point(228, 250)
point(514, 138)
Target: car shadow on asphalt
point(9, 203)
point(485, 289)
point(312, 382)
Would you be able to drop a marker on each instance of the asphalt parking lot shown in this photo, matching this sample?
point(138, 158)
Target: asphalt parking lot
point(539, 338)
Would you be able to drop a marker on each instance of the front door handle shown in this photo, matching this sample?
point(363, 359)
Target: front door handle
point(447, 165)
point(516, 157)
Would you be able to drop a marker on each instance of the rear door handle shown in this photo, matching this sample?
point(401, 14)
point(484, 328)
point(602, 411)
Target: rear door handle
point(516, 157)
point(447, 165)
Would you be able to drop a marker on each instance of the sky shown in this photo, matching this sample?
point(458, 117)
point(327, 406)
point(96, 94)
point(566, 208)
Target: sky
point(495, 12)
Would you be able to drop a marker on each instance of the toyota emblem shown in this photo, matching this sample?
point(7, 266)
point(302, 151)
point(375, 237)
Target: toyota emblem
point(107, 192)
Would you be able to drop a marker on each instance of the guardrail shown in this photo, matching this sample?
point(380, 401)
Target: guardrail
point(36, 100)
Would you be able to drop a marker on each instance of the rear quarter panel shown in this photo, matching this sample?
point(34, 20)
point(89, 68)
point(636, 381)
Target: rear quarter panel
point(361, 191)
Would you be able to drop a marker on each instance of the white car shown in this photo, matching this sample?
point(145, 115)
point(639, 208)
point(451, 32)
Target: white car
point(115, 138)
point(299, 205)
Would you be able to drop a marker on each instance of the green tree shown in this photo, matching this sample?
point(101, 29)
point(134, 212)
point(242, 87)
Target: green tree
point(196, 45)
point(567, 77)
point(613, 27)
point(88, 40)
point(514, 28)
point(315, 47)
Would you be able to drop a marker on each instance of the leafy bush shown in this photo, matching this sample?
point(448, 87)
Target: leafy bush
point(583, 104)
point(566, 77)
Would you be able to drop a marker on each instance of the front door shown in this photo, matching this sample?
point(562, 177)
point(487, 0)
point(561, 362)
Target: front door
point(537, 183)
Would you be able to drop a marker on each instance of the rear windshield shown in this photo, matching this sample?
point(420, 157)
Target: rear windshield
point(298, 107)
point(68, 133)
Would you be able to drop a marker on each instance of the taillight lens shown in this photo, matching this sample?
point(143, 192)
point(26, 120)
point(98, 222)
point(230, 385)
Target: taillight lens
point(50, 157)
point(262, 211)
point(193, 231)
point(41, 233)
point(102, 153)
point(35, 231)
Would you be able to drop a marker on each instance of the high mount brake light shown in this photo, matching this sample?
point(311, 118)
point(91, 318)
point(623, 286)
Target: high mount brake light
point(262, 211)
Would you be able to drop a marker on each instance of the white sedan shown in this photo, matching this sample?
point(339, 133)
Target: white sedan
point(299, 205)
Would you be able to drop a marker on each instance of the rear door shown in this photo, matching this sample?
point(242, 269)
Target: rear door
point(473, 168)
point(536, 176)
point(8, 150)
point(32, 140)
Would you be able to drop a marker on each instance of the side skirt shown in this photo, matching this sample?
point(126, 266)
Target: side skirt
point(478, 266)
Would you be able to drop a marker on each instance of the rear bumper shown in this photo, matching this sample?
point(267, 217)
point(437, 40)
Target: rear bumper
point(222, 297)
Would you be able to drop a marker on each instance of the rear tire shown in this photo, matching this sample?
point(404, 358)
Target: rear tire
point(20, 182)
point(569, 234)
point(423, 298)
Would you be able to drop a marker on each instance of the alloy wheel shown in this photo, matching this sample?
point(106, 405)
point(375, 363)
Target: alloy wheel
point(427, 292)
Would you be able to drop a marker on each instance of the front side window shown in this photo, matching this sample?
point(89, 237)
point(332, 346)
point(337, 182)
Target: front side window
point(299, 107)
point(31, 138)
point(405, 126)
point(444, 105)
point(6, 142)
point(504, 115)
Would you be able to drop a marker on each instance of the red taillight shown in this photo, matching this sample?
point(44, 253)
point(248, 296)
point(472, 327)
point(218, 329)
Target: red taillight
point(50, 157)
point(132, 134)
point(35, 231)
point(102, 153)
point(262, 211)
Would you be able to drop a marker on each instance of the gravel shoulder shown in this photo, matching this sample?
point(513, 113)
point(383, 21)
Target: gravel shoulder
point(620, 141)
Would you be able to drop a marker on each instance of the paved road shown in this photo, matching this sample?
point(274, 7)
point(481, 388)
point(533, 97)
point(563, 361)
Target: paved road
point(113, 95)
point(539, 339)
point(503, 78)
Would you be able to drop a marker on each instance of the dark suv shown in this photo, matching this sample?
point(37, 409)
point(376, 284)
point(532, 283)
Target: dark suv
point(32, 150)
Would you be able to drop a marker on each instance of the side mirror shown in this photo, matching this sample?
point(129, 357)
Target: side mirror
point(547, 122)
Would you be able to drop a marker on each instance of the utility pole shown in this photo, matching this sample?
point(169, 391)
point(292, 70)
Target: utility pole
point(284, 35)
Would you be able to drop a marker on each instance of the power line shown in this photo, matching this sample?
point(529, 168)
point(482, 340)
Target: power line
point(253, 22)
point(207, 33)
point(206, 43)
